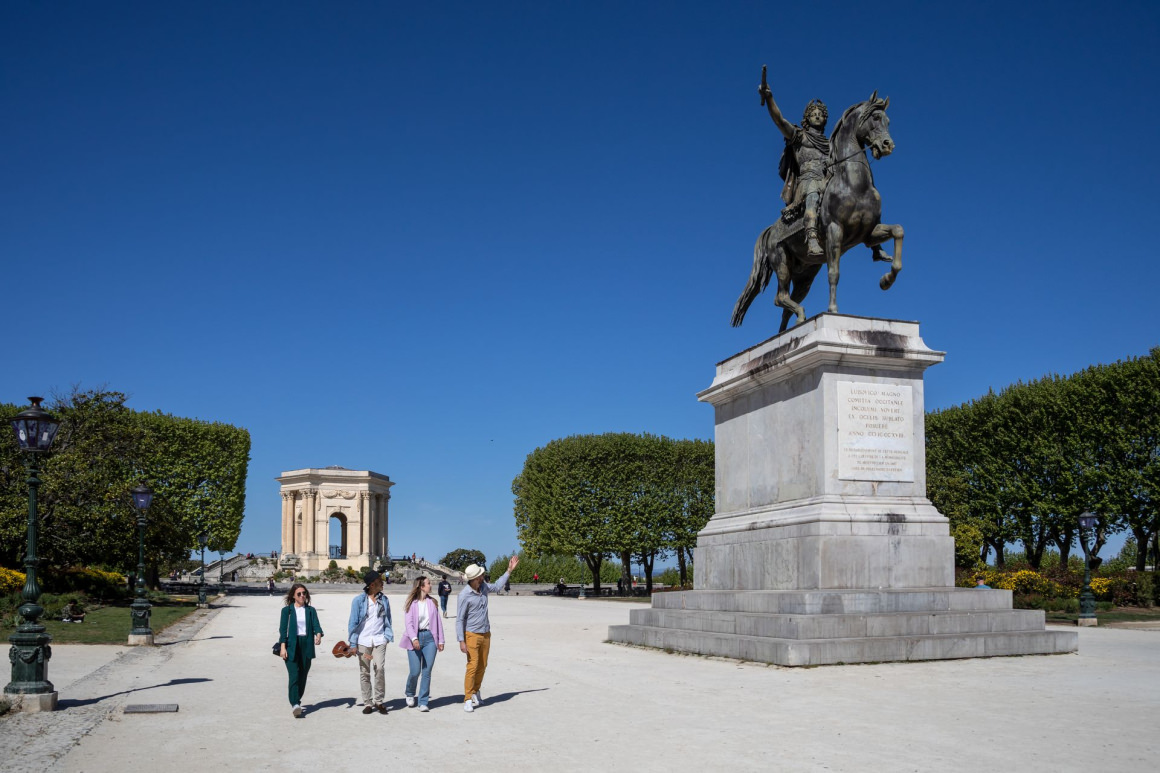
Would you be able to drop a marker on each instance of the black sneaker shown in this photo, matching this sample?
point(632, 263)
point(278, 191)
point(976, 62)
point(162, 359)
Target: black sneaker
point(368, 708)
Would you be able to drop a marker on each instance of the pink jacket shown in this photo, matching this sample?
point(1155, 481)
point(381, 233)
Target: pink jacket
point(411, 624)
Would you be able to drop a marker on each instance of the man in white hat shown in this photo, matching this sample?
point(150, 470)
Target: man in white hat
point(473, 629)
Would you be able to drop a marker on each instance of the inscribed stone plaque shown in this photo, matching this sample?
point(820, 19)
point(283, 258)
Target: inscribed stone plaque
point(875, 432)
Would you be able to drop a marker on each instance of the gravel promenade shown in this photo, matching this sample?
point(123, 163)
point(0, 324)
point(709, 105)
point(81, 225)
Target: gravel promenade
point(558, 698)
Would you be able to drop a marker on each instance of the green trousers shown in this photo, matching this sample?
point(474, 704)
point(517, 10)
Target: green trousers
point(298, 668)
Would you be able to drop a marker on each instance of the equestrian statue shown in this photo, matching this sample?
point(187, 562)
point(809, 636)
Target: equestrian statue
point(831, 204)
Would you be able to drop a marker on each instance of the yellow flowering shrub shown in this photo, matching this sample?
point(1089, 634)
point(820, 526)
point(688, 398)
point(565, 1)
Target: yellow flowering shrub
point(1027, 581)
point(10, 581)
point(94, 582)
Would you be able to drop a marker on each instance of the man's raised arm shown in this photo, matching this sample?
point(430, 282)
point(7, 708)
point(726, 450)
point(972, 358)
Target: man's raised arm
point(784, 126)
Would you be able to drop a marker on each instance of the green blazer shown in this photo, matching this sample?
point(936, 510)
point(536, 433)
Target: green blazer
point(288, 630)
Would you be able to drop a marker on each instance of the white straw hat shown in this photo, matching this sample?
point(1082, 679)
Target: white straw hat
point(472, 571)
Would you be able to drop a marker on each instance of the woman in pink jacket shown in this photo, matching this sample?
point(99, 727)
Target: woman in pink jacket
point(422, 638)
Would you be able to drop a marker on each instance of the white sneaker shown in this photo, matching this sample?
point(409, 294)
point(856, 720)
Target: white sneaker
point(423, 709)
point(410, 702)
point(298, 710)
point(468, 707)
point(476, 700)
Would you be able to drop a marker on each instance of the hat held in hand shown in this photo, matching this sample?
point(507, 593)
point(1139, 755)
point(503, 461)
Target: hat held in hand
point(472, 571)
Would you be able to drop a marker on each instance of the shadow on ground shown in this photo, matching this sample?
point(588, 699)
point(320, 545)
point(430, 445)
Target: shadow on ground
point(183, 641)
point(73, 704)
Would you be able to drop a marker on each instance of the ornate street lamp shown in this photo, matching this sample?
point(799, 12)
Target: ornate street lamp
point(1087, 599)
point(221, 571)
point(202, 538)
point(30, 653)
point(141, 609)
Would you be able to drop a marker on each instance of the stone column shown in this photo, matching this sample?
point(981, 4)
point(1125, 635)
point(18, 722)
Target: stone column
point(372, 525)
point(287, 522)
point(308, 526)
point(364, 523)
point(295, 529)
point(382, 522)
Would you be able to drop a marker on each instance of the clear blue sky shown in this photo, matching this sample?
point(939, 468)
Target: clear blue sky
point(426, 238)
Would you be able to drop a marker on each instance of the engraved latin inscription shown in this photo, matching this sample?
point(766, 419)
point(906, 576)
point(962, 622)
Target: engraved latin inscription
point(875, 432)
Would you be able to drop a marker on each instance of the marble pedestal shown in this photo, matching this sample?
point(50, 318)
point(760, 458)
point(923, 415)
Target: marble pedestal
point(824, 547)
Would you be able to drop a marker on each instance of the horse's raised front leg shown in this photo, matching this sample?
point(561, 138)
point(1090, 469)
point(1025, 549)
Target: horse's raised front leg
point(833, 257)
point(880, 234)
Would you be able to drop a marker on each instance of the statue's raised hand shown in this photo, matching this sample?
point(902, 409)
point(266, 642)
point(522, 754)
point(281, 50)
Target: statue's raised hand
point(765, 92)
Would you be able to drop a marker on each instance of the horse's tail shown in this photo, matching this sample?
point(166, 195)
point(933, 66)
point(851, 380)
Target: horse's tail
point(763, 269)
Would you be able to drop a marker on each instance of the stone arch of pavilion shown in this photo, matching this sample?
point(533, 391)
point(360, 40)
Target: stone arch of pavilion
point(311, 497)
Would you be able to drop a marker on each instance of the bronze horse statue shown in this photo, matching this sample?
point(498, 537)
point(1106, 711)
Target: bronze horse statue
point(850, 213)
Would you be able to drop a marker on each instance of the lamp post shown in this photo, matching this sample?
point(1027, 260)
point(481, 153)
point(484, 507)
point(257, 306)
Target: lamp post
point(30, 653)
point(221, 570)
point(141, 609)
point(1087, 599)
point(202, 538)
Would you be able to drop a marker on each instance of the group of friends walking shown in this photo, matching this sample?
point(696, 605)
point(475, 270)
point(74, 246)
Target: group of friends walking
point(370, 629)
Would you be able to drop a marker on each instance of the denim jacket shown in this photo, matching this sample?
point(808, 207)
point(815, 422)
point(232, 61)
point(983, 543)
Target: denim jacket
point(358, 616)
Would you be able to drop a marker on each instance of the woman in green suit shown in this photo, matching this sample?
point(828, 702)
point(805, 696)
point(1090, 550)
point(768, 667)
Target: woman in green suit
point(298, 632)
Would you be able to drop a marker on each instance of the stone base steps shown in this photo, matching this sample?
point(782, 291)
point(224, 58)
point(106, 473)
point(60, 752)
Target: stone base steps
point(828, 602)
point(820, 652)
point(883, 624)
point(825, 627)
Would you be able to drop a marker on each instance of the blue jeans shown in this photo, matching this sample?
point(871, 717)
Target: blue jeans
point(443, 603)
point(421, 659)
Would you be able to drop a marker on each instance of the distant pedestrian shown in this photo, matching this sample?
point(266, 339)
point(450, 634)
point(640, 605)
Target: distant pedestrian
point(270, 586)
point(473, 628)
point(369, 629)
point(536, 577)
point(423, 638)
point(444, 593)
point(981, 584)
point(298, 633)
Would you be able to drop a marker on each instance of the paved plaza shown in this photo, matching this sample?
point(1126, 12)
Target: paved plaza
point(558, 698)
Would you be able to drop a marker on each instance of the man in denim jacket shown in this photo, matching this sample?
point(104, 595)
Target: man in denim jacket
point(370, 630)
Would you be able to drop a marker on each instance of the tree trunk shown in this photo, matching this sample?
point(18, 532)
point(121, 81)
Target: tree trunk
point(682, 572)
point(1000, 557)
point(1033, 549)
point(594, 560)
point(626, 571)
point(984, 552)
point(1143, 539)
point(647, 559)
point(1063, 543)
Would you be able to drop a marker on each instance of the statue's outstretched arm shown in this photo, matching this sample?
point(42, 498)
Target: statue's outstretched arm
point(784, 126)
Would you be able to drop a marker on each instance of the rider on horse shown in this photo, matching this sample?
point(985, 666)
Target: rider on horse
point(803, 163)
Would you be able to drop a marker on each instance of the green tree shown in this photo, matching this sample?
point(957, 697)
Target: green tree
point(104, 449)
point(617, 494)
point(1121, 425)
point(460, 558)
point(966, 473)
point(551, 568)
point(696, 483)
